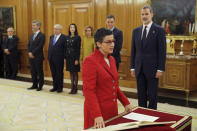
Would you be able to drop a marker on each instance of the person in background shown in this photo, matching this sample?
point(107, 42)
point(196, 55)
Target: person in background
point(36, 56)
point(9, 47)
point(72, 55)
point(56, 57)
point(1, 57)
point(118, 36)
point(100, 82)
point(88, 43)
point(148, 56)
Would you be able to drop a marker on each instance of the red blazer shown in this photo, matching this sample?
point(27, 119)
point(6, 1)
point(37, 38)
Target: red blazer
point(100, 88)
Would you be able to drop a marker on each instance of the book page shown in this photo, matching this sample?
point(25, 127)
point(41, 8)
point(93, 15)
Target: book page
point(140, 117)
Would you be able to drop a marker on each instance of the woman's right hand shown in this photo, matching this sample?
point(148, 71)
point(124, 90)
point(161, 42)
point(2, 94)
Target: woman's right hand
point(99, 122)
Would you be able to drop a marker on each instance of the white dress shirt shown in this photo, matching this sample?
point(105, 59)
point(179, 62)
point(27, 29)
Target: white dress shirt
point(112, 29)
point(147, 28)
point(107, 61)
point(36, 33)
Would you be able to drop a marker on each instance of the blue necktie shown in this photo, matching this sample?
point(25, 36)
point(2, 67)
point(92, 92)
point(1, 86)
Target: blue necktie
point(54, 40)
point(35, 34)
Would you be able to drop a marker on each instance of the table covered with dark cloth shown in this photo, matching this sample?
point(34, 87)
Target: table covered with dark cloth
point(183, 123)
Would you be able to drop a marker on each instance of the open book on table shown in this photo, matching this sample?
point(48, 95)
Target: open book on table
point(131, 125)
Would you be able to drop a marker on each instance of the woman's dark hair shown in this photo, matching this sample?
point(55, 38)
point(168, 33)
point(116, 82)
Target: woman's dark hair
point(100, 35)
point(76, 32)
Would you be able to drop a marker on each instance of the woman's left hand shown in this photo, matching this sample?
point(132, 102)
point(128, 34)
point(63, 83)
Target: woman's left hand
point(129, 108)
point(76, 62)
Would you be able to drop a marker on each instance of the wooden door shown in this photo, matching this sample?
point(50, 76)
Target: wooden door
point(66, 12)
point(82, 15)
point(63, 15)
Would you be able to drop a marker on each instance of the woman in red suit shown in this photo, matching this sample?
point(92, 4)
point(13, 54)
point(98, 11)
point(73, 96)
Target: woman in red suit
point(100, 83)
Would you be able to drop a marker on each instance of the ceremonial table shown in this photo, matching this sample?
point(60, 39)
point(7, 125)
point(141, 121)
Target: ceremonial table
point(183, 123)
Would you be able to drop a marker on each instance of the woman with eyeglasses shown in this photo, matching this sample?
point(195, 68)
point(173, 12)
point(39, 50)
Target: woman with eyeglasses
point(100, 83)
point(72, 55)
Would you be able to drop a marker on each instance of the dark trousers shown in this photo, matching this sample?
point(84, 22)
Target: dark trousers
point(1, 64)
point(11, 67)
point(37, 73)
point(57, 73)
point(147, 91)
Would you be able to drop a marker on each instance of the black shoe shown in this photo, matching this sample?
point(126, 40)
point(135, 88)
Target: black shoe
point(52, 90)
point(39, 89)
point(73, 91)
point(59, 91)
point(31, 88)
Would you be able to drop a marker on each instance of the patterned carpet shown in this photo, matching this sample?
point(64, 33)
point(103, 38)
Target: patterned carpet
point(25, 110)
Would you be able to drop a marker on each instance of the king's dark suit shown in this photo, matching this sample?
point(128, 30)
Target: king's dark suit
point(1, 56)
point(35, 46)
point(56, 61)
point(147, 58)
point(118, 36)
point(11, 60)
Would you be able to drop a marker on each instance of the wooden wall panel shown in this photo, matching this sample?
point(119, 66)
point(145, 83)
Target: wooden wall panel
point(82, 12)
point(81, 16)
point(100, 13)
point(62, 15)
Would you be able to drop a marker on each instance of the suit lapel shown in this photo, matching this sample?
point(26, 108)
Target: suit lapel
point(114, 30)
point(32, 37)
point(109, 69)
point(102, 62)
point(36, 36)
point(151, 31)
point(113, 68)
point(51, 41)
point(57, 40)
point(140, 35)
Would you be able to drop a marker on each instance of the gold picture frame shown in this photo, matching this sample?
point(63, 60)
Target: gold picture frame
point(172, 38)
point(175, 16)
point(7, 18)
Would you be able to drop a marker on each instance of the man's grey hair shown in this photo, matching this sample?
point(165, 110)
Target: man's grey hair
point(148, 7)
point(59, 26)
point(10, 28)
point(37, 22)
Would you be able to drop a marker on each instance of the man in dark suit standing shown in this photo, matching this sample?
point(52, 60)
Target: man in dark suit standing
point(11, 54)
point(118, 36)
point(148, 56)
point(36, 55)
point(56, 57)
point(1, 57)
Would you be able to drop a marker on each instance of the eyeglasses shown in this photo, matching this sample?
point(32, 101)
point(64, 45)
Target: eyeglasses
point(109, 41)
